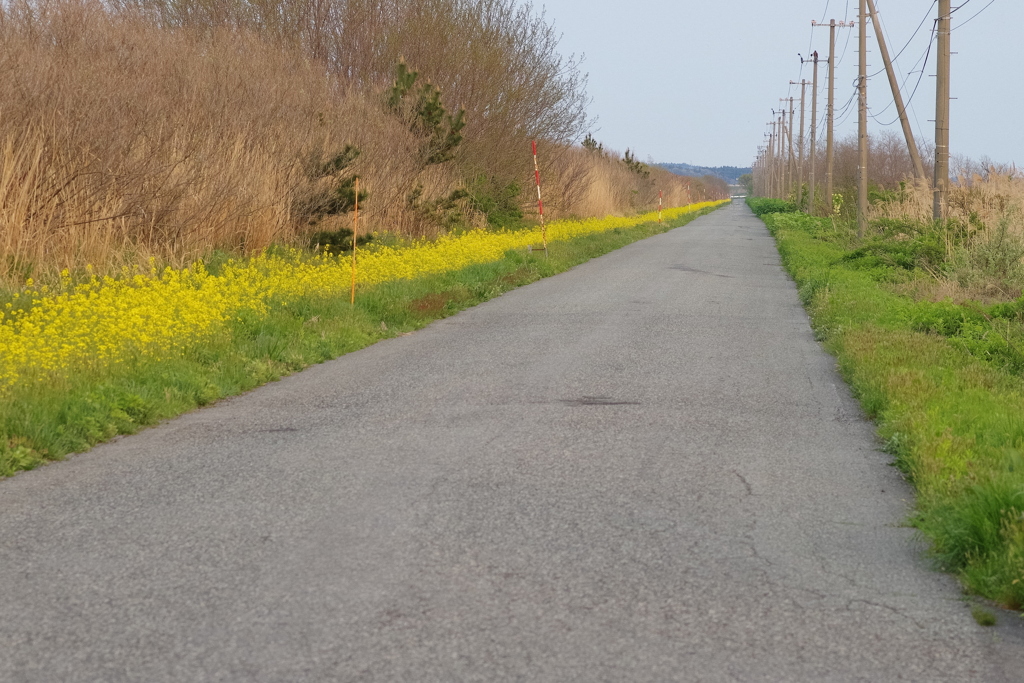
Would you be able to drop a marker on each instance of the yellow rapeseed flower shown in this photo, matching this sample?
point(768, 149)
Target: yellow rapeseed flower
point(107, 321)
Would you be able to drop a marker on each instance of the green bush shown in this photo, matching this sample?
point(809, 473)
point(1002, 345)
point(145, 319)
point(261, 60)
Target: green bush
point(992, 257)
point(762, 206)
point(499, 202)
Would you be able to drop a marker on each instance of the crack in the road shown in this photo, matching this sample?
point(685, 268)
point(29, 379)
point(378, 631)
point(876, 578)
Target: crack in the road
point(750, 489)
point(895, 610)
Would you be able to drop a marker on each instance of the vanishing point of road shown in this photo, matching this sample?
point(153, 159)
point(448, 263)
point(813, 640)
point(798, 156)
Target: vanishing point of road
point(642, 470)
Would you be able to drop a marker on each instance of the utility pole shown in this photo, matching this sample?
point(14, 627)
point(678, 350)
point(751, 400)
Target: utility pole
point(831, 111)
point(777, 133)
point(787, 149)
point(800, 144)
point(763, 188)
point(781, 158)
point(778, 176)
point(792, 157)
point(830, 142)
point(757, 171)
point(908, 133)
point(814, 136)
point(942, 114)
point(862, 136)
point(779, 145)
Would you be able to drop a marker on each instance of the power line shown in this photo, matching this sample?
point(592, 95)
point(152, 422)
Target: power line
point(927, 54)
point(967, 21)
point(848, 36)
point(916, 31)
point(910, 99)
point(847, 109)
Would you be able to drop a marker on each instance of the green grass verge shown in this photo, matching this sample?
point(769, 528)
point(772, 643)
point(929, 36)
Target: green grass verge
point(944, 386)
point(37, 424)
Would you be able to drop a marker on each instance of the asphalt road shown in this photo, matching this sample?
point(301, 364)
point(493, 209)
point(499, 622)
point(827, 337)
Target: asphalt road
point(642, 470)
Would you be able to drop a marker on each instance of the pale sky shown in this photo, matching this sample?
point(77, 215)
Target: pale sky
point(695, 81)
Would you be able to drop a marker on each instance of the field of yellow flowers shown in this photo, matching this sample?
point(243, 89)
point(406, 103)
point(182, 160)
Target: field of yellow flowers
point(50, 335)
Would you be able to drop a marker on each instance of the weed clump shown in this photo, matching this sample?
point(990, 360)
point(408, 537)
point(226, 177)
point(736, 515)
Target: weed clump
point(983, 616)
point(762, 206)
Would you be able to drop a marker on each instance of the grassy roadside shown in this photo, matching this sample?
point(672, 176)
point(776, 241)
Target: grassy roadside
point(40, 424)
point(943, 382)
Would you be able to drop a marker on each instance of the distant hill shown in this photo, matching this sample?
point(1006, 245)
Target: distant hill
point(730, 174)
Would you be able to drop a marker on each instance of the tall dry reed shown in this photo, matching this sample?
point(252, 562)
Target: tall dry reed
point(133, 130)
point(978, 198)
point(121, 141)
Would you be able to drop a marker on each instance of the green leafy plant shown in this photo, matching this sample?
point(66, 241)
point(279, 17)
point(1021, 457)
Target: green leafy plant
point(592, 145)
point(993, 256)
point(332, 191)
point(426, 116)
point(444, 211)
point(765, 205)
point(336, 241)
point(635, 165)
point(499, 202)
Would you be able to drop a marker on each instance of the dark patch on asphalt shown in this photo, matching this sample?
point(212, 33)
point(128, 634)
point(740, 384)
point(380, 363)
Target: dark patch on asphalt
point(597, 401)
point(688, 269)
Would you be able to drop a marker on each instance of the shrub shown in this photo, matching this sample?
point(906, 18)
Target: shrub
point(765, 205)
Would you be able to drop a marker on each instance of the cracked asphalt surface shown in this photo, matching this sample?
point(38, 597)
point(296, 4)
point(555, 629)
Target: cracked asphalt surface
point(644, 469)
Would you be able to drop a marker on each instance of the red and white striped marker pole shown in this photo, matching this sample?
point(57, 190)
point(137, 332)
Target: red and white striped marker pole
point(540, 202)
point(661, 194)
point(355, 242)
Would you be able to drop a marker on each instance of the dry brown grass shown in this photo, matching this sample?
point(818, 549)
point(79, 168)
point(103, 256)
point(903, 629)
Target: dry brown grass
point(590, 183)
point(121, 141)
point(984, 238)
point(945, 289)
point(978, 198)
point(132, 131)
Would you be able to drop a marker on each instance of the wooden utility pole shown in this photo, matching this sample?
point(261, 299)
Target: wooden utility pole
point(775, 153)
point(942, 114)
point(758, 163)
point(762, 187)
point(830, 143)
point(792, 157)
point(908, 133)
point(789, 172)
point(814, 137)
point(781, 157)
point(780, 172)
point(831, 111)
point(862, 135)
point(800, 144)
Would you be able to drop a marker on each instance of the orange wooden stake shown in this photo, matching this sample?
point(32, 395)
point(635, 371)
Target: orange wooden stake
point(355, 240)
